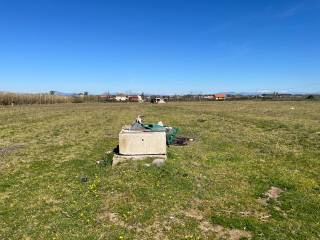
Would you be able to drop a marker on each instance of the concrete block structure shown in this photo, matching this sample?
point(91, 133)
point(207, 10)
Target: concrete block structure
point(136, 142)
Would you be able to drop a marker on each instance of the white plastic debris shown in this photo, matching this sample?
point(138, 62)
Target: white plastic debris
point(158, 162)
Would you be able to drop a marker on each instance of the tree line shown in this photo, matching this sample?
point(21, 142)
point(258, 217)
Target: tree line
point(18, 99)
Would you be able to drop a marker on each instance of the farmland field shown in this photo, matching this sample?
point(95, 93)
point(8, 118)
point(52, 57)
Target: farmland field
point(51, 186)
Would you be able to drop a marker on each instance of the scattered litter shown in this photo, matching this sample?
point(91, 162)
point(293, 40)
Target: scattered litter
point(160, 123)
point(66, 214)
point(273, 193)
point(292, 108)
point(84, 179)
point(182, 141)
point(202, 120)
point(139, 125)
point(158, 162)
point(147, 165)
point(107, 159)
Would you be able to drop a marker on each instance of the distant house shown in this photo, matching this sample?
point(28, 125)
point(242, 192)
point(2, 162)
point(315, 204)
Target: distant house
point(81, 94)
point(121, 98)
point(284, 95)
point(135, 98)
point(208, 97)
point(220, 96)
point(158, 100)
point(108, 97)
point(310, 97)
point(266, 95)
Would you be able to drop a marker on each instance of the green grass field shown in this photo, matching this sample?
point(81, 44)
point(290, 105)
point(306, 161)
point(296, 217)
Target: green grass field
point(213, 188)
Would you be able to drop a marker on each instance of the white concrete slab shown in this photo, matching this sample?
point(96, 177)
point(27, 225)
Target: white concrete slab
point(117, 158)
point(142, 143)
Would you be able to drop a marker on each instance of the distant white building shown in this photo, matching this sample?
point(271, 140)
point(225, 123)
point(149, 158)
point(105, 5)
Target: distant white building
point(140, 99)
point(158, 100)
point(208, 97)
point(135, 98)
point(121, 98)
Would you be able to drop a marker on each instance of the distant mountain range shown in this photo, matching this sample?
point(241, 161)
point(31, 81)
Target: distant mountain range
point(58, 93)
point(268, 92)
point(63, 94)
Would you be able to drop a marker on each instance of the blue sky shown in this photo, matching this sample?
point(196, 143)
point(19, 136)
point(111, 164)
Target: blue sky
point(160, 46)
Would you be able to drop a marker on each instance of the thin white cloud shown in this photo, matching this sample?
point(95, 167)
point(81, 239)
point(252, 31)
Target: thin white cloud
point(234, 49)
point(292, 11)
point(219, 27)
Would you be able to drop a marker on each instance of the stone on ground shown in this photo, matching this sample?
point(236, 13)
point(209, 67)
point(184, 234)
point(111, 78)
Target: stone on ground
point(273, 193)
point(158, 162)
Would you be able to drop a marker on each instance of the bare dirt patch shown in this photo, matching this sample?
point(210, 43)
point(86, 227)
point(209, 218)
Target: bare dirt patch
point(193, 214)
point(224, 233)
point(111, 217)
point(155, 230)
point(218, 231)
point(9, 149)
